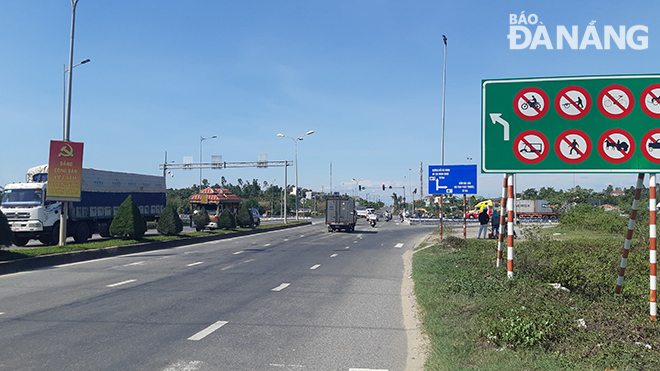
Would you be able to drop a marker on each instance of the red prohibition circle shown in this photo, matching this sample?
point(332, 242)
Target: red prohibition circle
point(655, 101)
point(582, 107)
point(585, 152)
point(647, 148)
point(603, 153)
point(614, 102)
point(528, 105)
point(531, 147)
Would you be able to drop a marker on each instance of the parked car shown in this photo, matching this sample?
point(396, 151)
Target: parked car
point(255, 216)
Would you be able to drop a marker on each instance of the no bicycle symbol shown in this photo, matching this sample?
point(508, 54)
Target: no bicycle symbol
point(573, 102)
point(531, 103)
point(615, 101)
point(651, 146)
point(573, 146)
point(531, 147)
point(616, 146)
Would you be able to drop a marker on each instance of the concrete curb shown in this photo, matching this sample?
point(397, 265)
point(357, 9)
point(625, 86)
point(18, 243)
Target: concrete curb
point(13, 266)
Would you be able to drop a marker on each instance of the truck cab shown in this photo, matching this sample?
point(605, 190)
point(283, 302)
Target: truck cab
point(474, 214)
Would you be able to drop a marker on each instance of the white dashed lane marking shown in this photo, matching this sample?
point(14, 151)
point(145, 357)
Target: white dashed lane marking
point(121, 283)
point(398, 245)
point(194, 264)
point(207, 331)
point(333, 255)
point(315, 266)
point(281, 287)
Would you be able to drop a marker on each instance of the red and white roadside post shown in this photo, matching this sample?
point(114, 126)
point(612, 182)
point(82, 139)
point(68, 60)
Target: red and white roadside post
point(464, 219)
point(509, 225)
point(500, 235)
point(629, 234)
point(652, 250)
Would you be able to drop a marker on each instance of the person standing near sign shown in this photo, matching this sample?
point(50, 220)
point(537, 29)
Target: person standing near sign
point(483, 222)
point(495, 222)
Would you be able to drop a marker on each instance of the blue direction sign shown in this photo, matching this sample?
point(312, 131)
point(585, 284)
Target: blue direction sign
point(453, 179)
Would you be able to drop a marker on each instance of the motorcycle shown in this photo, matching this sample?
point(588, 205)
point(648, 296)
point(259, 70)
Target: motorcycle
point(372, 222)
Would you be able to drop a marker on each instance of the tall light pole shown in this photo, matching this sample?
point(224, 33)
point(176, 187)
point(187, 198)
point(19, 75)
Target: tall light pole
point(442, 155)
point(64, 90)
point(444, 84)
point(295, 144)
point(357, 185)
point(67, 122)
point(201, 139)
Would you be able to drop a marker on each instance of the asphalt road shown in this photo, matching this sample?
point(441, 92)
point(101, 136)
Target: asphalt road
point(296, 299)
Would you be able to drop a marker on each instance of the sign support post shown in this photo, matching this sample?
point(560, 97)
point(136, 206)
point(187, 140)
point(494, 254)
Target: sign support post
point(464, 219)
point(652, 247)
point(631, 226)
point(509, 224)
point(500, 235)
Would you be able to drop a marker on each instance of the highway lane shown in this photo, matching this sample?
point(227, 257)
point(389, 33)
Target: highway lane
point(296, 299)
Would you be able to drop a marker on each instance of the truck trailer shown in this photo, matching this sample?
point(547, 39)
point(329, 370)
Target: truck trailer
point(31, 216)
point(340, 214)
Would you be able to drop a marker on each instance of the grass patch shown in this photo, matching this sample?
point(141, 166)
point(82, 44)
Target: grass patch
point(477, 319)
point(6, 255)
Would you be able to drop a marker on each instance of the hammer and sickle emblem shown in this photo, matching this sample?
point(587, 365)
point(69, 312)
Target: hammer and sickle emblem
point(66, 151)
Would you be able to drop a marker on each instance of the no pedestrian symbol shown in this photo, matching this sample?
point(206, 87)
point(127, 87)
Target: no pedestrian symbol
point(531, 147)
point(650, 101)
point(531, 103)
point(616, 146)
point(573, 146)
point(573, 102)
point(615, 101)
point(651, 146)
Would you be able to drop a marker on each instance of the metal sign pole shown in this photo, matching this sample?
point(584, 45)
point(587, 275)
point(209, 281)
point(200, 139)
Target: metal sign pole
point(629, 234)
point(500, 237)
point(652, 247)
point(509, 224)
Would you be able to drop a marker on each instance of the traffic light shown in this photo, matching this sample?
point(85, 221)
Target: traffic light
point(359, 187)
point(390, 187)
point(383, 187)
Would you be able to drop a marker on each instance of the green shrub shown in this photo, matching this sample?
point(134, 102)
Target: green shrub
point(201, 219)
point(244, 217)
point(169, 223)
point(128, 222)
point(226, 220)
point(6, 235)
point(585, 216)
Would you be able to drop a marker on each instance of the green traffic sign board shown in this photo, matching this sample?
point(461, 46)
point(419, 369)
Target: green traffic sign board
point(571, 124)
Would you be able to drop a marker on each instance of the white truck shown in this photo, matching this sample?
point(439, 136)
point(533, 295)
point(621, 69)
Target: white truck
point(30, 216)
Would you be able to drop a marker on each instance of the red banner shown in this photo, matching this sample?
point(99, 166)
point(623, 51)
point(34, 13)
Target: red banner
point(64, 171)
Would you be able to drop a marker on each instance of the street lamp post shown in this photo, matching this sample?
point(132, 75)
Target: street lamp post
point(357, 185)
point(201, 139)
point(295, 143)
point(64, 90)
point(67, 122)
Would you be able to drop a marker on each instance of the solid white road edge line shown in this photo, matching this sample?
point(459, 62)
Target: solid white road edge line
point(120, 283)
point(315, 266)
point(207, 331)
point(281, 287)
point(367, 369)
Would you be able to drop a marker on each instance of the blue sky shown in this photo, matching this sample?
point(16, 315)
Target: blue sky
point(366, 76)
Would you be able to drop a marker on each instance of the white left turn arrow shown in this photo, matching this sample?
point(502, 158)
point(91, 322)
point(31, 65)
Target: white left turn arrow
point(497, 118)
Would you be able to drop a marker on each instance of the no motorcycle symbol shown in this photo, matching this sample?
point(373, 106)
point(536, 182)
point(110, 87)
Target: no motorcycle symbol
point(531, 104)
